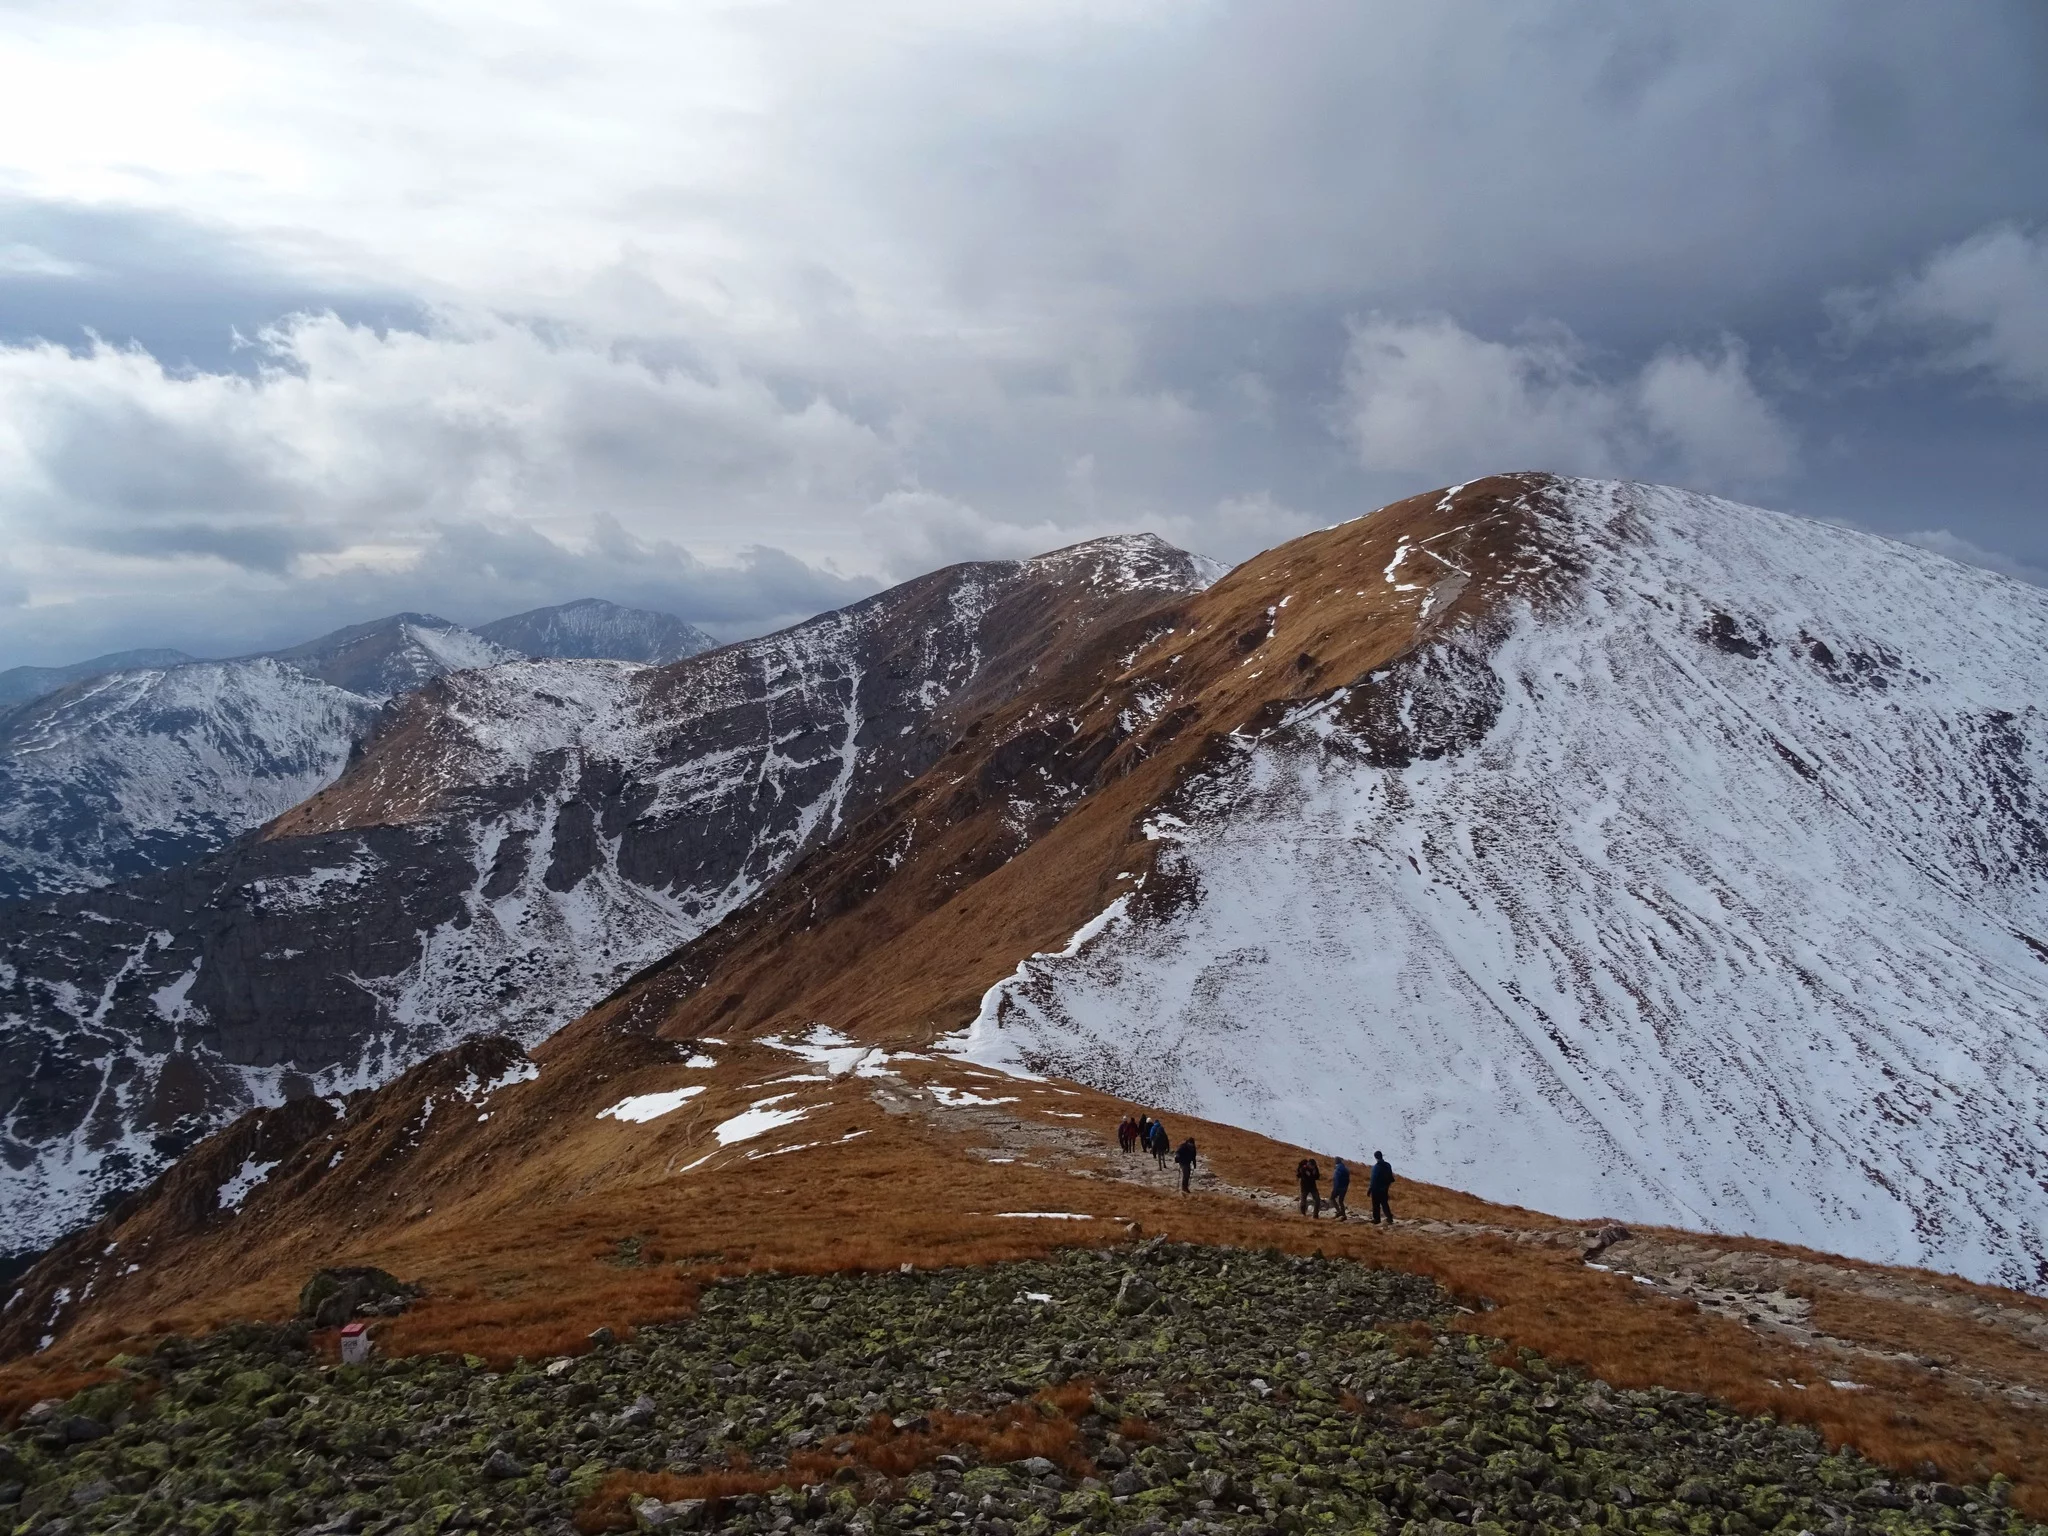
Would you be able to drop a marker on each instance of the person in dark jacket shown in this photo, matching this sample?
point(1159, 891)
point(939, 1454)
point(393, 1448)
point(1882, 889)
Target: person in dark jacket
point(1144, 1142)
point(1382, 1181)
point(1127, 1134)
point(1186, 1158)
point(1162, 1144)
point(1309, 1177)
point(1340, 1185)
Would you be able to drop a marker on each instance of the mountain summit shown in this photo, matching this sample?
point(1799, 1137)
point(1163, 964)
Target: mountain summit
point(1605, 847)
point(149, 759)
point(592, 628)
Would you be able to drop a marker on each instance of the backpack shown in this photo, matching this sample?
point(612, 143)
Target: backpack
point(1307, 1171)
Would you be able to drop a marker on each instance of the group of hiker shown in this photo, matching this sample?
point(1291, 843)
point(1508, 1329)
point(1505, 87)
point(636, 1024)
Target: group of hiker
point(1144, 1133)
point(1310, 1177)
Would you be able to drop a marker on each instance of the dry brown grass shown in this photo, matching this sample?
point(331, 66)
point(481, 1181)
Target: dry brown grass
point(1958, 1342)
point(21, 1392)
point(527, 1327)
point(529, 1268)
point(1043, 1426)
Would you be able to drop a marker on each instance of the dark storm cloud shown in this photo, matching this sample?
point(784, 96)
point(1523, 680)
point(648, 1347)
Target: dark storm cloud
point(184, 290)
point(785, 295)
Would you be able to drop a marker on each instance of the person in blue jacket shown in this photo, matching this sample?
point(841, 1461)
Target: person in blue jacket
point(1382, 1182)
point(1340, 1185)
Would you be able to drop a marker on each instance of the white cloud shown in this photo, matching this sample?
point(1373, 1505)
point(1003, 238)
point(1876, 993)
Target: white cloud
point(1978, 307)
point(344, 434)
point(1427, 397)
point(1706, 408)
point(19, 258)
point(477, 462)
point(1944, 541)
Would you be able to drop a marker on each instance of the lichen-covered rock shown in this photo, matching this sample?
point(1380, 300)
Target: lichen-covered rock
point(1253, 1393)
point(334, 1296)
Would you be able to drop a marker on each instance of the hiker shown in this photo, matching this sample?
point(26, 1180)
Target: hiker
point(1126, 1134)
point(1144, 1133)
point(1340, 1185)
point(1186, 1158)
point(1382, 1181)
point(1308, 1175)
point(1162, 1144)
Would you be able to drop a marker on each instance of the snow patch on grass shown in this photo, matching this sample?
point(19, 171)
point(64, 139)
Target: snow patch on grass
point(643, 1107)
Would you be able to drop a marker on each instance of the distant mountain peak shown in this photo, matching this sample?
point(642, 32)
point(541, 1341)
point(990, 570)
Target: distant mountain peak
point(18, 685)
point(594, 628)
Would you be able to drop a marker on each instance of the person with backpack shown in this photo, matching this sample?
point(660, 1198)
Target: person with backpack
point(1309, 1176)
point(1340, 1185)
point(1186, 1158)
point(1161, 1144)
point(1382, 1181)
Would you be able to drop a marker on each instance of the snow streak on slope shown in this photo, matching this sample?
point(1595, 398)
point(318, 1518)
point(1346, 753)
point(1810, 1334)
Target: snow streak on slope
point(1731, 911)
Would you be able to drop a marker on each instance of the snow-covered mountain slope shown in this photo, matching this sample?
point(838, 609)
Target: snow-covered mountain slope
point(592, 627)
point(1700, 877)
point(20, 684)
point(511, 844)
point(146, 769)
point(153, 767)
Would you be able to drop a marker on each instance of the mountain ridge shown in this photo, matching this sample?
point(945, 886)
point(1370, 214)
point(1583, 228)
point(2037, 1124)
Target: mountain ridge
point(508, 845)
point(860, 1063)
point(122, 769)
point(594, 629)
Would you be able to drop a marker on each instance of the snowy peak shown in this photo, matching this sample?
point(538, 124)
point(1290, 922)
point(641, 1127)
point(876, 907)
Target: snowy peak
point(1593, 847)
point(593, 628)
point(1130, 562)
point(394, 655)
point(140, 770)
point(1699, 875)
point(147, 768)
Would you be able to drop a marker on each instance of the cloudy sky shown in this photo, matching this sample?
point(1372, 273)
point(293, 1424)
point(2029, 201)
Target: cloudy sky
point(311, 313)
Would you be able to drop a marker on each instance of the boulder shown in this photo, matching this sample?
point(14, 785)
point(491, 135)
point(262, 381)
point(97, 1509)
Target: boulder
point(1605, 1239)
point(334, 1296)
point(641, 1414)
point(1135, 1296)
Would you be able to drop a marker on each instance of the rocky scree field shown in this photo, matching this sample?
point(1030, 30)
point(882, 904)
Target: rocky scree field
point(1162, 1388)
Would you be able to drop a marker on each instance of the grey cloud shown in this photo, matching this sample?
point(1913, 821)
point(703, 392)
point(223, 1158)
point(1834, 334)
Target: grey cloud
point(962, 282)
point(179, 287)
point(1978, 307)
point(1429, 397)
point(1943, 541)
